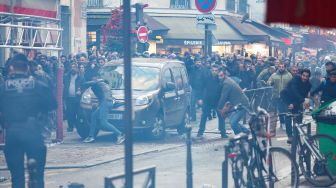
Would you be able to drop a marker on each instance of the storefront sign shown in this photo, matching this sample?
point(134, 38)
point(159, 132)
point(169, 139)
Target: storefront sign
point(193, 42)
point(223, 43)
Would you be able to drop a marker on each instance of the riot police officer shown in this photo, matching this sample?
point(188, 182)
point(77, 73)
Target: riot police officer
point(23, 100)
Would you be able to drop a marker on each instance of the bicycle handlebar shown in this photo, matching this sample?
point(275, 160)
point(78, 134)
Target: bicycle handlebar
point(260, 110)
point(295, 114)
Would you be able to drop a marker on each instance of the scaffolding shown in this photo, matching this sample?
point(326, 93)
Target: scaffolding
point(31, 33)
point(28, 32)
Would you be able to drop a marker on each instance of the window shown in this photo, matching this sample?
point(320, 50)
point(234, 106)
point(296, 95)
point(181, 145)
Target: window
point(230, 5)
point(180, 4)
point(184, 77)
point(242, 6)
point(91, 36)
point(94, 3)
point(178, 78)
point(167, 77)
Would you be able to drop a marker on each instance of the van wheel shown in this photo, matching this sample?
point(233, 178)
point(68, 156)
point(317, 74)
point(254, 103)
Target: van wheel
point(83, 126)
point(181, 129)
point(158, 130)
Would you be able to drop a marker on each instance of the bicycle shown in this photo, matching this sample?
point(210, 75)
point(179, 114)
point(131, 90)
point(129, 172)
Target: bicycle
point(259, 166)
point(312, 160)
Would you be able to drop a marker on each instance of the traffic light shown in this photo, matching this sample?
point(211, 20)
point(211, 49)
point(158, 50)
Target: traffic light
point(139, 16)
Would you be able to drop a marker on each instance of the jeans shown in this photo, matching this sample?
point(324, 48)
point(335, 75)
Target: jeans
point(194, 98)
point(101, 114)
point(234, 121)
point(281, 108)
point(206, 109)
point(72, 106)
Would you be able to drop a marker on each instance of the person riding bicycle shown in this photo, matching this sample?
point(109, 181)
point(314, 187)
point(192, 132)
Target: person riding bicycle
point(232, 95)
point(294, 95)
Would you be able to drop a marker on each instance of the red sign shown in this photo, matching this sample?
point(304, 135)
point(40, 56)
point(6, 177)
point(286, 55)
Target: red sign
point(142, 34)
point(205, 6)
point(302, 12)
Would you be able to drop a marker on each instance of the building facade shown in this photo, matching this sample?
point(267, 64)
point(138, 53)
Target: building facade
point(180, 32)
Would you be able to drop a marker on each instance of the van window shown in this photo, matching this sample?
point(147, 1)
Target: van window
point(167, 77)
point(184, 77)
point(178, 78)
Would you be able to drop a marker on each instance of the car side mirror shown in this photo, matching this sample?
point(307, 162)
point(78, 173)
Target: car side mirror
point(170, 86)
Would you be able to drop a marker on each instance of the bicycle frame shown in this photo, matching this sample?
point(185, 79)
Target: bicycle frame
point(304, 137)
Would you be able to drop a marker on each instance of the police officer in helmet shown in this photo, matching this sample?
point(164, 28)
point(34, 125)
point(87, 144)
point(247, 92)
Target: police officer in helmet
point(23, 99)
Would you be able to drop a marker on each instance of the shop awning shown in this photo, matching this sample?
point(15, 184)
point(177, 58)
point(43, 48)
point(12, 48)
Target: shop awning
point(101, 19)
point(247, 30)
point(184, 28)
point(316, 41)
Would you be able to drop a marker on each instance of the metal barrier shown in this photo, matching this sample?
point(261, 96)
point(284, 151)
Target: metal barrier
point(149, 181)
point(260, 97)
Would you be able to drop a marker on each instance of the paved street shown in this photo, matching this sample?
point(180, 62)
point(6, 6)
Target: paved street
point(74, 161)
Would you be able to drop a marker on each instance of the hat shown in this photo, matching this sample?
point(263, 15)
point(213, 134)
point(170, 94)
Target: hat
point(327, 58)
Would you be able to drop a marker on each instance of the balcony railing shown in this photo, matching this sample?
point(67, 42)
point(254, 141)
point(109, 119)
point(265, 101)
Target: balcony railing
point(94, 3)
point(102, 3)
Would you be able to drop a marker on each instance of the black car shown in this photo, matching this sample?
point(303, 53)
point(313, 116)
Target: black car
point(161, 96)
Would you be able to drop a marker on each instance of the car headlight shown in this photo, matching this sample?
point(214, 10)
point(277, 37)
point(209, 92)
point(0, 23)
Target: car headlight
point(142, 100)
point(87, 96)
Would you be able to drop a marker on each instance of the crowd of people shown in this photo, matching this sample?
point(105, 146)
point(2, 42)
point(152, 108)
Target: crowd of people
point(218, 83)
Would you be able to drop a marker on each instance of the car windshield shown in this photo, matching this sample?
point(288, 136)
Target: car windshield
point(143, 78)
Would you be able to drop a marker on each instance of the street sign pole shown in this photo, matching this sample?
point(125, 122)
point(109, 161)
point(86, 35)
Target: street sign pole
point(205, 39)
point(208, 20)
point(128, 94)
point(209, 42)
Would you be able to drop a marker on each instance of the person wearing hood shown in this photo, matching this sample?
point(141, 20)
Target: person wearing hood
point(294, 95)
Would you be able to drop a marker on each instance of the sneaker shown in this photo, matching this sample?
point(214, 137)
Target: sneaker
point(283, 126)
point(89, 139)
point(120, 139)
point(289, 140)
point(199, 135)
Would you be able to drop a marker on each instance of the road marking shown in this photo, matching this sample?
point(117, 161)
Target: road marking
point(281, 138)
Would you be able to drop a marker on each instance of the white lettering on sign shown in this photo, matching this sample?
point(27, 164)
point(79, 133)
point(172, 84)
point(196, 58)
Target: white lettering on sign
point(223, 43)
point(192, 42)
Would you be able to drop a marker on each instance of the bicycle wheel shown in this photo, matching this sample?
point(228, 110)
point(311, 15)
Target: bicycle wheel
point(315, 167)
point(239, 172)
point(282, 171)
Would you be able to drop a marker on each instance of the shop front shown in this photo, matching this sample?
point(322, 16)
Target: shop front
point(183, 36)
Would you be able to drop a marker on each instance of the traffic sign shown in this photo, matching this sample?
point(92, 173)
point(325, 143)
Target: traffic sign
point(205, 19)
point(205, 6)
point(142, 34)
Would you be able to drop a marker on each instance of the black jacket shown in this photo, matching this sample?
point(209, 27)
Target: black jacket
point(212, 90)
point(197, 77)
point(295, 92)
point(78, 84)
point(101, 89)
point(23, 96)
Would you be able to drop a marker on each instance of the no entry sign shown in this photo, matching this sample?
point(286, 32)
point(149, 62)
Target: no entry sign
point(205, 6)
point(142, 34)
